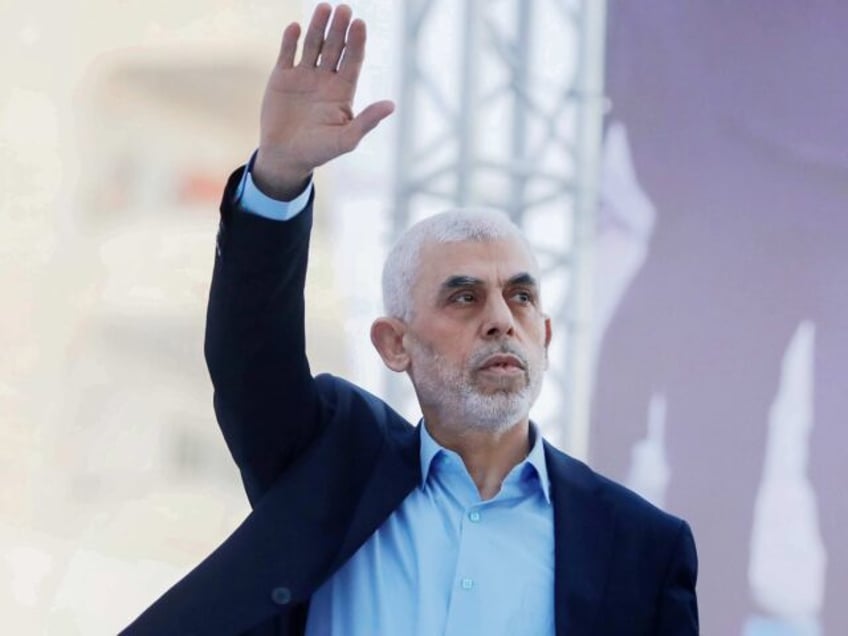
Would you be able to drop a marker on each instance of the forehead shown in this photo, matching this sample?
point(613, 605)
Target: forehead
point(493, 261)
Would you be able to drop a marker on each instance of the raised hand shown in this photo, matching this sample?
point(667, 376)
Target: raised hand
point(307, 113)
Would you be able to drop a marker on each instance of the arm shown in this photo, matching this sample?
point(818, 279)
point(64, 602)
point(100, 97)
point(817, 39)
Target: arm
point(265, 398)
point(678, 604)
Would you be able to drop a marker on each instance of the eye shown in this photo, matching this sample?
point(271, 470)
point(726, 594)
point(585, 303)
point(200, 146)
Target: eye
point(463, 298)
point(523, 297)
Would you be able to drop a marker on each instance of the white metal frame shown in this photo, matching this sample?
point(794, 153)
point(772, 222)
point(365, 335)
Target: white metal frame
point(501, 105)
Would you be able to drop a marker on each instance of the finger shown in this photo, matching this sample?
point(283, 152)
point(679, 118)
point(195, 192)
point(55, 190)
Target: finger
point(354, 52)
point(333, 45)
point(289, 46)
point(365, 122)
point(315, 35)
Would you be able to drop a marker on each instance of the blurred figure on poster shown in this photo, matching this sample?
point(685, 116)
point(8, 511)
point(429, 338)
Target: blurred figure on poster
point(734, 115)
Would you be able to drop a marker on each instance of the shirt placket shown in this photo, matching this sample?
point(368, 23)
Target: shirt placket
point(467, 586)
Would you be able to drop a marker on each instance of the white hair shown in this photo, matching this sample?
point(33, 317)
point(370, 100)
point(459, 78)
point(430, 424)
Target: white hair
point(400, 270)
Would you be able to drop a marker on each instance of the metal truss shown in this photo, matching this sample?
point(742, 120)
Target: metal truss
point(501, 105)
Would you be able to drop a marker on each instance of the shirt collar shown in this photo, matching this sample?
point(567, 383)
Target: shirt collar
point(535, 459)
point(430, 448)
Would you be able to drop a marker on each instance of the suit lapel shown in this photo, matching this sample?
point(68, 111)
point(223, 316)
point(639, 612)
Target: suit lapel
point(397, 470)
point(583, 525)
point(583, 531)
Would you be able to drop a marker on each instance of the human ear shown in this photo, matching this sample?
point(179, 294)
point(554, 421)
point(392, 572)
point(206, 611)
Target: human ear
point(387, 338)
point(548, 335)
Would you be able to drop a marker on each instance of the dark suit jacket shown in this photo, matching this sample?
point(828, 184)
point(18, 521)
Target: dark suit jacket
point(324, 463)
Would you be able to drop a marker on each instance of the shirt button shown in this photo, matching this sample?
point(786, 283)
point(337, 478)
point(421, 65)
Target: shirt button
point(467, 584)
point(281, 595)
point(474, 516)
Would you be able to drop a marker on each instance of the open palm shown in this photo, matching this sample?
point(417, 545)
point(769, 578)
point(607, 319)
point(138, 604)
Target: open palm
point(307, 112)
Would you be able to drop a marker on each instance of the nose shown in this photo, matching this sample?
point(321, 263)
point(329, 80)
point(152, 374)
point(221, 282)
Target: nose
point(498, 320)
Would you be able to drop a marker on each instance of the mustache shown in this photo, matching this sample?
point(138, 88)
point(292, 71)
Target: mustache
point(504, 348)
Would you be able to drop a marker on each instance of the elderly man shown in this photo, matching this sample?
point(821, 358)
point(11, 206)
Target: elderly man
point(362, 524)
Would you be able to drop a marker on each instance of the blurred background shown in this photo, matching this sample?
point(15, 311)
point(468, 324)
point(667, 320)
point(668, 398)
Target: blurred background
point(679, 167)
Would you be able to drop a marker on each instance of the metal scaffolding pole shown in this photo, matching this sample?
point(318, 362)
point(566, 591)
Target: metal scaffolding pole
point(501, 105)
point(589, 93)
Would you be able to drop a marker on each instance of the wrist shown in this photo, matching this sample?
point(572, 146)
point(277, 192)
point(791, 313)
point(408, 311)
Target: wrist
point(277, 177)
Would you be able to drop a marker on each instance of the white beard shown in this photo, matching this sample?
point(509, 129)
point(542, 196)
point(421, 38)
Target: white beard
point(453, 393)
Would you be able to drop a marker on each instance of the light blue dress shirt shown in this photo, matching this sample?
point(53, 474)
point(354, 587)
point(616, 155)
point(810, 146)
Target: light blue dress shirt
point(444, 562)
point(447, 563)
point(253, 200)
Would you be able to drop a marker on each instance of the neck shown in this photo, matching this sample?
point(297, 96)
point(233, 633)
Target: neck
point(488, 456)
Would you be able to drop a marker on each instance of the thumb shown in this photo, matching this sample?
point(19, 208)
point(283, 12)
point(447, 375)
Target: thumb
point(366, 121)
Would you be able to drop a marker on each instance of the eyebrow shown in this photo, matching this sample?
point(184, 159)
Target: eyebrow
point(463, 281)
point(523, 279)
point(459, 282)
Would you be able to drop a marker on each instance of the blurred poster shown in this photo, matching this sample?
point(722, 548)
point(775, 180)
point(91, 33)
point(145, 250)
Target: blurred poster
point(722, 376)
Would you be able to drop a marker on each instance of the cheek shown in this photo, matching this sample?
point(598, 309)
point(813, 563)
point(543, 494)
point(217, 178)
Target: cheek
point(451, 341)
point(436, 347)
point(534, 328)
point(538, 337)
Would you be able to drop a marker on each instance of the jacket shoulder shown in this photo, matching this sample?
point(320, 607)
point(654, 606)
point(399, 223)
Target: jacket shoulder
point(624, 504)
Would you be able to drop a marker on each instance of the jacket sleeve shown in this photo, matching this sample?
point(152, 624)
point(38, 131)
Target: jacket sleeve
point(678, 605)
point(265, 398)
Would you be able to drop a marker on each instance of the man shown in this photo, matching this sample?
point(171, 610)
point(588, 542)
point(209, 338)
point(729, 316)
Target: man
point(362, 524)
